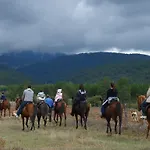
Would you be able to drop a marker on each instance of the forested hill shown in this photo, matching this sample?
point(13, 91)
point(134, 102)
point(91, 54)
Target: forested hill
point(10, 76)
point(89, 67)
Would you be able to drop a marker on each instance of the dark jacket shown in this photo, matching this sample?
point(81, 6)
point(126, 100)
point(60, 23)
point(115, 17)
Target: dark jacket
point(3, 97)
point(80, 96)
point(112, 93)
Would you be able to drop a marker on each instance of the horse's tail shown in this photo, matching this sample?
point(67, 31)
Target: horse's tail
point(118, 108)
point(88, 109)
point(148, 113)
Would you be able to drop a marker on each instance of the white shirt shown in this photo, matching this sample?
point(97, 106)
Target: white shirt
point(28, 95)
point(41, 96)
point(58, 96)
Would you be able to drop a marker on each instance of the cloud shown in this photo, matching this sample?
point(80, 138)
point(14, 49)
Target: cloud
point(73, 26)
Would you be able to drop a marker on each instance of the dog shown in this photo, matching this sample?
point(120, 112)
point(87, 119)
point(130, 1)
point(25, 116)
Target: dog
point(134, 116)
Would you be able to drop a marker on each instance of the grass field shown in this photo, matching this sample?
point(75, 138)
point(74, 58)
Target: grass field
point(68, 138)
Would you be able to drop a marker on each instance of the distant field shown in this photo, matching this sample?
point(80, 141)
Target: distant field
point(68, 138)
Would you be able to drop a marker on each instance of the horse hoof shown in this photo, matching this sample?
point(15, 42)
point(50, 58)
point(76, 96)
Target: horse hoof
point(22, 129)
point(76, 127)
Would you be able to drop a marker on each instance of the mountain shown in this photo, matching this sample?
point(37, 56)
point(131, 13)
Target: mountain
point(10, 76)
point(81, 67)
point(25, 58)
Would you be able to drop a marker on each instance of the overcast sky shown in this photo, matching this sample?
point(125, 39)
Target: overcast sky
point(73, 26)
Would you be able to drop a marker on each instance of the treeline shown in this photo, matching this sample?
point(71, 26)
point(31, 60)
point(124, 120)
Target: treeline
point(127, 91)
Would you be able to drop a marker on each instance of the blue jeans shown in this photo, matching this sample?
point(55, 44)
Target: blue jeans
point(103, 107)
point(143, 107)
point(23, 104)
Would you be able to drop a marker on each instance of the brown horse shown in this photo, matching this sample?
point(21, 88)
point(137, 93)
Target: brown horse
point(59, 111)
point(114, 110)
point(140, 99)
point(29, 111)
point(4, 105)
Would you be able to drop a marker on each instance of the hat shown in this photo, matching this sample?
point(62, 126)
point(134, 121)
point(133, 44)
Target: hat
point(59, 90)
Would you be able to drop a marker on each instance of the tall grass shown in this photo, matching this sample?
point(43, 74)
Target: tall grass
point(68, 138)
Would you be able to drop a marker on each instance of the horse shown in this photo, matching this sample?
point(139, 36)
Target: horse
point(29, 111)
point(113, 111)
point(82, 109)
point(60, 110)
point(4, 105)
point(43, 110)
point(140, 99)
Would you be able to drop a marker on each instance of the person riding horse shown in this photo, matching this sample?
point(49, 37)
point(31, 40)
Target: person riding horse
point(145, 103)
point(58, 97)
point(3, 97)
point(49, 101)
point(80, 97)
point(40, 97)
point(112, 94)
point(27, 97)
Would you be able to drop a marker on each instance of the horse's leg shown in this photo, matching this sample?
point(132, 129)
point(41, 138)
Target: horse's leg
point(55, 117)
point(4, 112)
point(85, 126)
point(81, 121)
point(32, 118)
point(76, 121)
point(120, 123)
point(65, 118)
point(39, 118)
point(1, 112)
point(148, 128)
point(22, 123)
point(27, 118)
point(50, 115)
point(108, 125)
point(45, 120)
point(60, 119)
point(9, 111)
point(115, 125)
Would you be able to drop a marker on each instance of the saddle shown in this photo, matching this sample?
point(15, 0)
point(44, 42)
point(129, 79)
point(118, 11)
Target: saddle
point(113, 100)
point(40, 103)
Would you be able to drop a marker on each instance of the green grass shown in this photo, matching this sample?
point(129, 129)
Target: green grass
point(68, 138)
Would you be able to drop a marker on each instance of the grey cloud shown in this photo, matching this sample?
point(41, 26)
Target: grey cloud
point(74, 25)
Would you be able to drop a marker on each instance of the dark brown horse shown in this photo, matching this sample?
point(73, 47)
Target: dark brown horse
point(82, 109)
point(29, 111)
point(140, 99)
point(114, 111)
point(4, 105)
point(59, 111)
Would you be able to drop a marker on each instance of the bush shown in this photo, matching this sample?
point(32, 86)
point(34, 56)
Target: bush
point(94, 100)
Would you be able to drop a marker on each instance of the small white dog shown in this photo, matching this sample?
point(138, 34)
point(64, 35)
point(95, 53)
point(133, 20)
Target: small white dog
point(134, 116)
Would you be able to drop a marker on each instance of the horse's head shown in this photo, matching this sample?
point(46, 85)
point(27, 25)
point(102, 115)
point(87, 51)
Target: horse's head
point(140, 99)
point(18, 102)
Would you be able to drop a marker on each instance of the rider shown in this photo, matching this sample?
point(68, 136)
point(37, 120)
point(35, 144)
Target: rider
point(112, 93)
point(40, 96)
point(145, 103)
point(49, 101)
point(59, 96)
point(27, 97)
point(80, 96)
point(3, 97)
